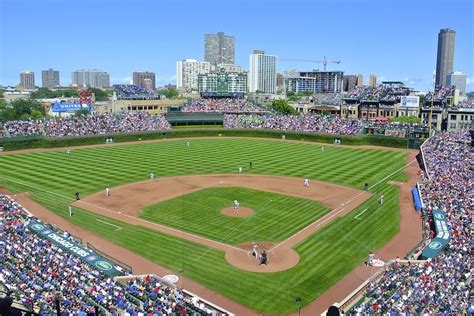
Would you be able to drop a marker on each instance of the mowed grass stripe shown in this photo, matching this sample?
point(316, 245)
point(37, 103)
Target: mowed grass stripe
point(325, 256)
point(276, 216)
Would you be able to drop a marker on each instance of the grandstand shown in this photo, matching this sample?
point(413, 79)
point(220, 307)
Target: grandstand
point(134, 92)
point(46, 271)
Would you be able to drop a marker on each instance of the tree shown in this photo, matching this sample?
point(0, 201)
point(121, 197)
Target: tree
point(470, 95)
point(100, 95)
point(170, 93)
point(283, 107)
point(45, 93)
point(406, 119)
point(83, 111)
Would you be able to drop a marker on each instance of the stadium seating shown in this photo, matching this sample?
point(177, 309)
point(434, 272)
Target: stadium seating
point(440, 286)
point(301, 123)
point(226, 105)
point(133, 92)
point(36, 271)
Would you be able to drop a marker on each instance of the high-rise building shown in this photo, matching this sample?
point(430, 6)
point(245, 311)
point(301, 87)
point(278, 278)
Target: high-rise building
point(139, 76)
point(360, 80)
point(187, 72)
point(50, 78)
point(316, 82)
point(262, 72)
point(457, 79)
point(227, 67)
point(372, 81)
point(91, 78)
point(349, 82)
point(219, 48)
point(27, 80)
point(445, 57)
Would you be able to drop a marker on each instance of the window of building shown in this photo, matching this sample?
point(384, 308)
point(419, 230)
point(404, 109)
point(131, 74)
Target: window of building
point(453, 117)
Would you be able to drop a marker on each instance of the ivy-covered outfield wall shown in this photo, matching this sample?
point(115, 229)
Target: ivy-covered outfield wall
point(10, 144)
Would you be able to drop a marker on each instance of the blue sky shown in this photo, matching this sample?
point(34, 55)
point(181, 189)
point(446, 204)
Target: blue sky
point(396, 40)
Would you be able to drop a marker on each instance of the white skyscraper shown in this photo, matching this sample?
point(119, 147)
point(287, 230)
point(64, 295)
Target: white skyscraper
point(91, 78)
point(262, 72)
point(187, 72)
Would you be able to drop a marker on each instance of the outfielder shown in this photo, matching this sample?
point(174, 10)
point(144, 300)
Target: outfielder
point(381, 199)
point(240, 169)
point(70, 210)
point(152, 175)
point(68, 151)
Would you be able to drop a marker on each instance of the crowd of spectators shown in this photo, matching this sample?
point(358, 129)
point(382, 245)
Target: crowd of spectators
point(134, 92)
point(439, 286)
point(38, 272)
point(380, 93)
point(300, 123)
point(28, 127)
point(322, 99)
point(225, 105)
point(441, 94)
point(89, 124)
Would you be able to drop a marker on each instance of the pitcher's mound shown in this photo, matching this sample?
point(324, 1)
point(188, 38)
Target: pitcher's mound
point(241, 212)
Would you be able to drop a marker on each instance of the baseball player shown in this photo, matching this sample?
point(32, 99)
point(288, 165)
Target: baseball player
point(254, 250)
point(107, 191)
point(188, 143)
point(240, 169)
point(250, 164)
point(70, 210)
point(306, 182)
point(322, 149)
point(366, 186)
point(381, 199)
point(152, 175)
point(77, 196)
point(236, 205)
point(68, 151)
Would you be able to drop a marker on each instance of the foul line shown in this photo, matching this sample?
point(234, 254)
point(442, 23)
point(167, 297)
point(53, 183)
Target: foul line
point(357, 216)
point(136, 218)
point(336, 211)
point(118, 228)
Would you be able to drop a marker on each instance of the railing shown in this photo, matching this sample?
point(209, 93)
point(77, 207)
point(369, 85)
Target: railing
point(355, 296)
point(221, 310)
point(126, 268)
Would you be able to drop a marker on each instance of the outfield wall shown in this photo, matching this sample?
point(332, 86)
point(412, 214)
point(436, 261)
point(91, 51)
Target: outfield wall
point(10, 144)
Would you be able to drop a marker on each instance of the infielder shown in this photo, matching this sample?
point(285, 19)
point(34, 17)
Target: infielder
point(70, 210)
point(381, 199)
point(236, 205)
point(107, 191)
point(306, 182)
point(240, 169)
point(152, 175)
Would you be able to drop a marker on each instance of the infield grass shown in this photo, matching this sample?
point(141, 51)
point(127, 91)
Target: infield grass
point(276, 216)
point(325, 256)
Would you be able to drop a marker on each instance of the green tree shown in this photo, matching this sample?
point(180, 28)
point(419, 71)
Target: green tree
point(406, 119)
point(283, 107)
point(84, 111)
point(170, 93)
point(100, 95)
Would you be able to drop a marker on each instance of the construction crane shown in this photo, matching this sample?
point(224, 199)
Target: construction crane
point(325, 61)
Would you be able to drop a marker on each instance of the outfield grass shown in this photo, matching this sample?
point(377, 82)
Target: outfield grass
point(276, 216)
point(325, 257)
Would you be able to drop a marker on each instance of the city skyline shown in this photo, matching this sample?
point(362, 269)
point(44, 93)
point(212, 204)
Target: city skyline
point(404, 51)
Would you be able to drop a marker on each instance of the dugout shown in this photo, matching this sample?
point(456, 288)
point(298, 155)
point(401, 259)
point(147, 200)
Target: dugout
point(187, 118)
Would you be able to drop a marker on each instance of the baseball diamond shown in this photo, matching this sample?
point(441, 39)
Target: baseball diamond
point(174, 220)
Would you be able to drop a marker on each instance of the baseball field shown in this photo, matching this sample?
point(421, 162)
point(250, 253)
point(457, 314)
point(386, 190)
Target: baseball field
point(270, 189)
